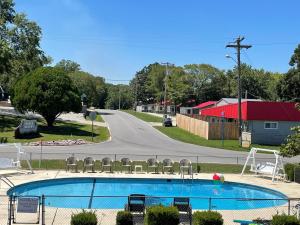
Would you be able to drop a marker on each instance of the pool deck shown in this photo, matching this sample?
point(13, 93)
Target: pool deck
point(59, 216)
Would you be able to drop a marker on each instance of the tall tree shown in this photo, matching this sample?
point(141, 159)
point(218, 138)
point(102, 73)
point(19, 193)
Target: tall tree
point(47, 91)
point(288, 86)
point(68, 65)
point(206, 81)
point(20, 50)
point(93, 87)
point(119, 94)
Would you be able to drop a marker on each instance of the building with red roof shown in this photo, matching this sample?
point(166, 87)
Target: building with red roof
point(205, 105)
point(268, 122)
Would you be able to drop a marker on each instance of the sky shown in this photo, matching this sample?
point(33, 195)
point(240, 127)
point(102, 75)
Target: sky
point(116, 38)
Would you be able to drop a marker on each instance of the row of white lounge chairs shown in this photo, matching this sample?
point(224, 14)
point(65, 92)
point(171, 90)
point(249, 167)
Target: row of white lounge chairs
point(107, 164)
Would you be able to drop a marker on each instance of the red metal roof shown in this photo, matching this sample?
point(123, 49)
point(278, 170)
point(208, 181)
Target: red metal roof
point(272, 111)
point(204, 104)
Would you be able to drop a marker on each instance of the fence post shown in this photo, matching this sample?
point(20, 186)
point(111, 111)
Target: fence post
point(237, 160)
point(198, 171)
point(43, 209)
point(10, 210)
point(209, 203)
point(289, 206)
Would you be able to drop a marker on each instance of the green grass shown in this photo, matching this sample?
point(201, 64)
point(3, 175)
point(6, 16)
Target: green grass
point(98, 118)
point(202, 167)
point(184, 136)
point(144, 116)
point(60, 131)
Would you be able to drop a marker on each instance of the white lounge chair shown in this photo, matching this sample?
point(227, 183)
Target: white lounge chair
point(6, 163)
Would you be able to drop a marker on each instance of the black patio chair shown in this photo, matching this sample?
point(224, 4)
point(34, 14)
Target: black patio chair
point(183, 205)
point(136, 203)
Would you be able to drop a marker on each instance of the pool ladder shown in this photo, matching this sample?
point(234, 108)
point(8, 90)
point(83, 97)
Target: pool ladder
point(7, 181)
point(190, 173)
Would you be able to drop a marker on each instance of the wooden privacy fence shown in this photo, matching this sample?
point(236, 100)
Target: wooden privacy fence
point(207, 130)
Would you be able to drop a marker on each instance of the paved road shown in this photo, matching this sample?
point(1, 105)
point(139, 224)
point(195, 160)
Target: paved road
point(132, 137)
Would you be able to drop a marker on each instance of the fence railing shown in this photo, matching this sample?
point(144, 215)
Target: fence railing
point(58, 210)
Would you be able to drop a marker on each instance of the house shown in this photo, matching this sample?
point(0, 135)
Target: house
point(142, 108)
point(268, 122)
point(186, 110)
point(227, 101)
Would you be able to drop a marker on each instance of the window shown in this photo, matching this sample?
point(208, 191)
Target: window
point(271, 125)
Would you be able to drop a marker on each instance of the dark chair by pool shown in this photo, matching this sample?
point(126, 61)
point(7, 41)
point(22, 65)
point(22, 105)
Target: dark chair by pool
point(183, 205)
point(168, 164)
point(89, 163)
point(152, 164)
point(72, 162)
point(136, 203)
point(127, 163)
point(107, 163)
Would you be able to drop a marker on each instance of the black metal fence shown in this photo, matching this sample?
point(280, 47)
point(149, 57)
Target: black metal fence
point(58, 210)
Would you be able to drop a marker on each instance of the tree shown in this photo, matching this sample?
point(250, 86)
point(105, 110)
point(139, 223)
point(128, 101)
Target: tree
point(93, 87)
point(292, 146)
point(20, 50)
point(288, 86)
point(207, 81)
point(68, 65)
point(119, 94)
point(47, 91)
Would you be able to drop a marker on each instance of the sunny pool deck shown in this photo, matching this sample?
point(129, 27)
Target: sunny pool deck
point(60, 216)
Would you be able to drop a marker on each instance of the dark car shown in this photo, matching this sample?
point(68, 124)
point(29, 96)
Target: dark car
point(167, 122)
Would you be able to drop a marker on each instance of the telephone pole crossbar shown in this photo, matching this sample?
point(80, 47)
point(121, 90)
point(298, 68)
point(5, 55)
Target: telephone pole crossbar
point(238, 46)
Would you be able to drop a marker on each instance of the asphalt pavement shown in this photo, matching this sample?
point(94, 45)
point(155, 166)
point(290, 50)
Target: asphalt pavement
point(138, 140)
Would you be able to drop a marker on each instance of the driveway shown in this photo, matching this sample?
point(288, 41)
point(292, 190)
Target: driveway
point(138, 140)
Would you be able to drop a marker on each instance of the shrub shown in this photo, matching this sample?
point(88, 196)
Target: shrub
point(207, 218)
point(161, 215)
point(124, 218)
point(84, 218)
point(289, 170)
point(284, 220)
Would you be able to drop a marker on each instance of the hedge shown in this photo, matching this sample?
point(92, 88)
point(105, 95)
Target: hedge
point(84, 218)
point(207, 218)
point(161, 215)
point(124, 218)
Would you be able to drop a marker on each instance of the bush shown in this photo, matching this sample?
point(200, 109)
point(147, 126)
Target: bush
point(284, 220)
point(84, 218)
point(289, 170)
point(207, 218)
point(161, 215)
point(124, 218)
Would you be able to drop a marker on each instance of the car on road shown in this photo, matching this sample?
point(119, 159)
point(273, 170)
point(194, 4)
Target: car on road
point(167, 122)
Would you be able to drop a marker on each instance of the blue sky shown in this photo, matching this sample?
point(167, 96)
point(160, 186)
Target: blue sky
point(116, 38)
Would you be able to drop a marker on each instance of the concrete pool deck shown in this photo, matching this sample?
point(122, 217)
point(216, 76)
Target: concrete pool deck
point(60, 216)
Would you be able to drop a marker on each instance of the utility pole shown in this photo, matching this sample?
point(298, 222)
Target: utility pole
point(119, 97)
point(165, 83)
point(237, 45)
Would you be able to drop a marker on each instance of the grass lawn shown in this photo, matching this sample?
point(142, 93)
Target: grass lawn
point(184, 136)
point(144, 116)
point(202, 167)
point(98, 118)
point(60, 131)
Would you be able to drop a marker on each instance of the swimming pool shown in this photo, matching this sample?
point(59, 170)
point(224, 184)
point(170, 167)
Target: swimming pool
point(111, 193)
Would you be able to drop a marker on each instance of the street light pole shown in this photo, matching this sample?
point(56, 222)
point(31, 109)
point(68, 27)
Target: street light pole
point(237, 45)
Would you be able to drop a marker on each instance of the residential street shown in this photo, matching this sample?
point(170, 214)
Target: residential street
point(137, 140)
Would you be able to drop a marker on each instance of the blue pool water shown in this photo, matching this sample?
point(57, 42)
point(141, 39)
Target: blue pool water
point(94, 192)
